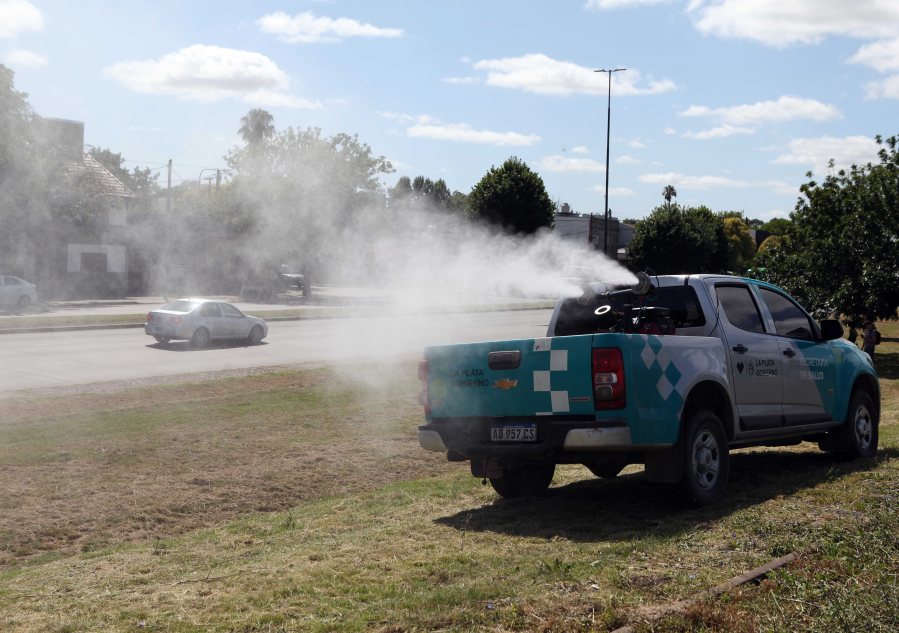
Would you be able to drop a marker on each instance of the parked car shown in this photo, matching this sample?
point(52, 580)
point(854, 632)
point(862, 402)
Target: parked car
point(16, 293)
point(291, 278)
point(673, 376)
point(202, 320)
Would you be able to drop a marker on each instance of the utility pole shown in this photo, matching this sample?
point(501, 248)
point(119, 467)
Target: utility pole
point(165, 236)
point(608, 132)
point(168, 193)
point(590, 239)
point(218, 179)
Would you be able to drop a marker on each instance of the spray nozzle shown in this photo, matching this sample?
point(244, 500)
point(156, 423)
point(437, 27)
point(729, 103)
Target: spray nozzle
point(643, 285)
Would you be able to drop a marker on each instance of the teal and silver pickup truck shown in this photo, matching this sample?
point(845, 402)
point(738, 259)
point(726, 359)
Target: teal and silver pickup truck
point(671, 374)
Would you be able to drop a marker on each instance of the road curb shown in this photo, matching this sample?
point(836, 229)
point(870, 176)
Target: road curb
point(125, 326)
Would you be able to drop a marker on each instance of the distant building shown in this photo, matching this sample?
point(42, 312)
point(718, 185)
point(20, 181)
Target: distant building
point(586, 228)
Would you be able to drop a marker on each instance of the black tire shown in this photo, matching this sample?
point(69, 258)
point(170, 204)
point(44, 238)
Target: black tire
point(24, 302)
point(606, 470)
point(162, 340)
point(861, 426)
point(255, 337)
point(200, 338)
point(529, 480)
point(706, 459)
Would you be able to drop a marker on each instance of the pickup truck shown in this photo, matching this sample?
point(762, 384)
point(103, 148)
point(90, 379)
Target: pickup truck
point(671, 374)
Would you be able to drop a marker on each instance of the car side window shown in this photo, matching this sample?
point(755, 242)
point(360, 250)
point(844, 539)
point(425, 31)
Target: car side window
point(210, 310)
point(230, 311)
point(789, 320)
point(740, 308)
point(12, 281)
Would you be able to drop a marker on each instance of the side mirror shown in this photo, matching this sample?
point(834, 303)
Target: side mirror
point(831, 329)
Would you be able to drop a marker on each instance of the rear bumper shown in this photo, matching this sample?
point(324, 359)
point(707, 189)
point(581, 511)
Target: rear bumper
point(561, 438)
point(170, 332)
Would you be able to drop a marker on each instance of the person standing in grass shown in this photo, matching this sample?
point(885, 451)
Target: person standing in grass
point(870, 340)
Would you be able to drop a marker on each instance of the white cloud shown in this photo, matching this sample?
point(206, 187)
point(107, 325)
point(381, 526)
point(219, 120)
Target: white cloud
point(141, 128)
point(613, 191)
point(780, 188)
point(461, 80)
point(544, 75)
point(628, 160)
point(637, 143)
point(399, 164)
point(616, 4)
point(580, 150)
point(720, 132)
point(272, 99)
point(774, 213)
point(670, 130)
point(770, 148)
point(561, 163)
point(24, 59)
point(658, 163)
point(784, 22)
point(423, 119)
point(306, 28)
point(784, 109)
point(888, 88)
point(692, 182)
point(203, 73)
point(465, 60)
point(463, 133)
point(817, 152)
point(17, 16)
point(883, 56)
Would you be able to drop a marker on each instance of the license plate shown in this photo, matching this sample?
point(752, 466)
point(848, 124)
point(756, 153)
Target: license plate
point(156, 328)
point(516, 433)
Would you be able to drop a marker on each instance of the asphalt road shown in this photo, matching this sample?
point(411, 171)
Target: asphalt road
point(66, 358)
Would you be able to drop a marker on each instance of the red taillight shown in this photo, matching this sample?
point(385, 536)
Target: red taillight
point(149, 317)
point(608, 379)
point(424, 398)
point(176, 320)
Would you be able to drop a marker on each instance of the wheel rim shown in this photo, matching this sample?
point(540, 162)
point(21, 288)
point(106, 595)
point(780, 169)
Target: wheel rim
point(202, 337)
point(256, 335)
point(864, 428)
point(706, 460)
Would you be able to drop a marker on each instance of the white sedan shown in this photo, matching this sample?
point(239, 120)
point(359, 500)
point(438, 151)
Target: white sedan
point(15, 292)
point(202, 320)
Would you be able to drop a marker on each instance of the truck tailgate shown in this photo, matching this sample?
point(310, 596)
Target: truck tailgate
point(552, 377)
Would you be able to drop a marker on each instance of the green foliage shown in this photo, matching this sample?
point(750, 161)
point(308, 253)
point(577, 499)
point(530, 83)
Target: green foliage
point(512, 197)
point(676, 240)
point(258, 125)
point(771, 242)
point(778, 226)
point(143, 183)
point(669, 192)
point(842, 257)
point(742, 246)
point(426, 194)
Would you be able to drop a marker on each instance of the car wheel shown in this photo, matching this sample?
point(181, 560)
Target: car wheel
point(706, 459)
point(162, 340)
point(255, 337)
point(24, 302)
point(861, 426)
point(608, 470)
point(529, 480)
point(200, 338)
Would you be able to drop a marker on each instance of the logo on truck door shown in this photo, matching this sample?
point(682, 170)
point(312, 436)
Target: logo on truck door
point(505, 384)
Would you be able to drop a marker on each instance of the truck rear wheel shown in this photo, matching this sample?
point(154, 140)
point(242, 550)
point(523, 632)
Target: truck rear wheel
point(529, 480)
point(706, 459)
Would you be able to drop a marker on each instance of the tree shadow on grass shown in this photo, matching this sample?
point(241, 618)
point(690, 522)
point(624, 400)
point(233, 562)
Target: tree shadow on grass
point(886, 365)
point(628, 507)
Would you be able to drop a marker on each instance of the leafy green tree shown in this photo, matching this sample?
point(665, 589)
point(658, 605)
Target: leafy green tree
point(742, 246)
point(512, 197)
point(256, 126)
point(842, 257)
point(771, 242)
point(777, 226)
point(143, 183)
point(675, 240)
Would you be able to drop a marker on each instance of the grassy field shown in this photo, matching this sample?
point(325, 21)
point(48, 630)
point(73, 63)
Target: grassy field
point(301, 501)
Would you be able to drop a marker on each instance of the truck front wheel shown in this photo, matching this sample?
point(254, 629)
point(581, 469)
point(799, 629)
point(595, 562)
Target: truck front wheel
point(529, 480)
point(706, 459)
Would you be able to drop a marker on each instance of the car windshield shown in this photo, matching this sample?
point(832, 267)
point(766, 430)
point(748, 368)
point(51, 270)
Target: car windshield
point(181, 306)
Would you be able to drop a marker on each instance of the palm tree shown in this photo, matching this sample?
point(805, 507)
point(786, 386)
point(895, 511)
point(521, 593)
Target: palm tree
point(669, 192)
point(257, 125)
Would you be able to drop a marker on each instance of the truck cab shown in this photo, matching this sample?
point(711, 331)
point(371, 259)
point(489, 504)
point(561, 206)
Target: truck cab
point(671, 376)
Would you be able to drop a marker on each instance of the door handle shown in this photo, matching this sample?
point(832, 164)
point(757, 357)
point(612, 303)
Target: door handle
point(740, 349)
point(789, 352)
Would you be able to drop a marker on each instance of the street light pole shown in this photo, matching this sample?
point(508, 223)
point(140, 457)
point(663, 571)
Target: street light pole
point(608, 132)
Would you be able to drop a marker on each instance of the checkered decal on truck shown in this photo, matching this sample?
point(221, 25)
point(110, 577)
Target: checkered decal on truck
point(558, 362)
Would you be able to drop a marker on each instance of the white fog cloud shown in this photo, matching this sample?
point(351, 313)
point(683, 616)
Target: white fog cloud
point(886, 89)
point(580, 150)
point(544, 75)
point(637, 143)
point(670, 130)
point(784, 109)
point(784, 22)
point(817, 152)
point(564, 164)
point(721, 131)
point(24, 59)
point(306, 28)
point(882, 56)
point(203, 73)
point(464, 133)
point(17, 16)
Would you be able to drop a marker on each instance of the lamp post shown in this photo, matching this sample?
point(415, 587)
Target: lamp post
point(608, 129)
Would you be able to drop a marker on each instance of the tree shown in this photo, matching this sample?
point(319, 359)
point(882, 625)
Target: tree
point(258, 125)
point(669, 192)
point(777, 226)
point(676, 240)
point(742, 246)
point(771, 243)
point(842, 255)
point(512, 197)
point(141, 182)
point(422, 193)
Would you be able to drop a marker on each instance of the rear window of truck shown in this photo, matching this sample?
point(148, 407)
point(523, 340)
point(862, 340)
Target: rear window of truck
point(575, 319)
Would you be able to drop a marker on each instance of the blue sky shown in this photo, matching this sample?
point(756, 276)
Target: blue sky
point(731, 101)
